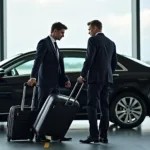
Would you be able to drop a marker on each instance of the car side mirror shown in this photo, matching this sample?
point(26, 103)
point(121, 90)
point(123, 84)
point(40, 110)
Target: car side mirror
point(2, 72)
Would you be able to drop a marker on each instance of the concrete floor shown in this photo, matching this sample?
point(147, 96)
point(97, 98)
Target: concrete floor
point(119, 139)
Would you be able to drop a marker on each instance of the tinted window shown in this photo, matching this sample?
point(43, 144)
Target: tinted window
point(73, 60)
point(118, 67)
point(25, 68)
point(121, 67)
point(73, 64)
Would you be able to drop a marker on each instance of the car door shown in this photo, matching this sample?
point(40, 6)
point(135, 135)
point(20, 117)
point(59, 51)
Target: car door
point(17, 73)
point(118, 76)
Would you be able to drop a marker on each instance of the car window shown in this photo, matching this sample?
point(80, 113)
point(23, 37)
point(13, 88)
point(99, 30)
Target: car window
point(25, 68)
point(120, 67)
point(73, 64)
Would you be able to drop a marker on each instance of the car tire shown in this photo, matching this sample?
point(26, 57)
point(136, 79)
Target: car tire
point(128, 110)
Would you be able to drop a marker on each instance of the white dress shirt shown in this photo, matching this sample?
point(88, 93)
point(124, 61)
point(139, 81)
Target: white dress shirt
point(97, 33)
point(53, 40)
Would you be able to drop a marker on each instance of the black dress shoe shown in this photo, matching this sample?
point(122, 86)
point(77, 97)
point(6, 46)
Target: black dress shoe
point(66, 139)
point(61, 139)
point(89, 140)
point(41, 139)
point(103, 140)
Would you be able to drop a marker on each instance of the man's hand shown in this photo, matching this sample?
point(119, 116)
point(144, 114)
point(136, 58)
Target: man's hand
point(80, 79)
point(68, 84)
point(31, 82)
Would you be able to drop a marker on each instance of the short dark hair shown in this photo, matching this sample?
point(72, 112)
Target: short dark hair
point(58, 26)
point(96, 23)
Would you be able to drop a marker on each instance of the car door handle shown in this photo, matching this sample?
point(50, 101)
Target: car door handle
point(116, 75)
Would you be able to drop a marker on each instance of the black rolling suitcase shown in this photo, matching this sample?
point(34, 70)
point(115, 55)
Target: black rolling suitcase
point(57, 114)
point(21, 118)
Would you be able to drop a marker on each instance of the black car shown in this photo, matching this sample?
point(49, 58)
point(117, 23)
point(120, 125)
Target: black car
point(129, 96)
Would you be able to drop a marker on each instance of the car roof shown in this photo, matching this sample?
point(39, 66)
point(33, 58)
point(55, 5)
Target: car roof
point(120, 57)
point(62, 49)
point(34, 51)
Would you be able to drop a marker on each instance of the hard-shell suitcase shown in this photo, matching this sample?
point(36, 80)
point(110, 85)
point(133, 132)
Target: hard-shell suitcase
point(21, 118)
point(57, 114)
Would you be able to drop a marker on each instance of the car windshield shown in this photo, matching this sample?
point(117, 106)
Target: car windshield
point(138, 61)
point(8, 59)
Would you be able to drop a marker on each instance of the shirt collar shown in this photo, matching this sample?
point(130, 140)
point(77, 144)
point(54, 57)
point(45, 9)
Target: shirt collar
point(97, 33)
point(52, 39)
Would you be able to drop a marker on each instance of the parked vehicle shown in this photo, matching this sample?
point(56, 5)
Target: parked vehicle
point(129, 96)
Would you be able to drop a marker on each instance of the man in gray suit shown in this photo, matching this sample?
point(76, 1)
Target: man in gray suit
point(48, 69)
point(100, 63)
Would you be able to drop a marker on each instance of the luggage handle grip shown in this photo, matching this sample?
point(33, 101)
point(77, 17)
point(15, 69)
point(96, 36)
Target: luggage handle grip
point(26, 84)
point(23, 96)
point(73, 92)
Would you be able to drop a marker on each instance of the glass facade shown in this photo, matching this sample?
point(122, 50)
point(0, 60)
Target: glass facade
point(30, 20)
point(145, 30)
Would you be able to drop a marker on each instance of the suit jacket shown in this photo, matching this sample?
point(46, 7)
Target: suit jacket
point(47, 68)
point(101, 60)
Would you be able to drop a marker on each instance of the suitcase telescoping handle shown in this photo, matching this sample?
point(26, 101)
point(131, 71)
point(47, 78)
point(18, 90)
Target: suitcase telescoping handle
point(73, 92)
point(25, 85)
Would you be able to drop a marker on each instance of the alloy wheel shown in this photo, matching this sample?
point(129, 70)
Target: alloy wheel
point(128, 110)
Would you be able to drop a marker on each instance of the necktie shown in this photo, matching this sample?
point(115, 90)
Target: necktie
point(57, 53)
point(56, 48)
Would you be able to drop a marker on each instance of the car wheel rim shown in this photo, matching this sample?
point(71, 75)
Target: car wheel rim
point(128, 110)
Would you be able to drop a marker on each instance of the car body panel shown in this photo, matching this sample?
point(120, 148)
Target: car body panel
point(130, 75)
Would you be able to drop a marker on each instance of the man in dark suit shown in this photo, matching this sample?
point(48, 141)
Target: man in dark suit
point(48, 69)
point(100, 63)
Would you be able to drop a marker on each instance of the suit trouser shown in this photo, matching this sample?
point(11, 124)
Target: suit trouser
point(98, 95)
point(43, 93)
